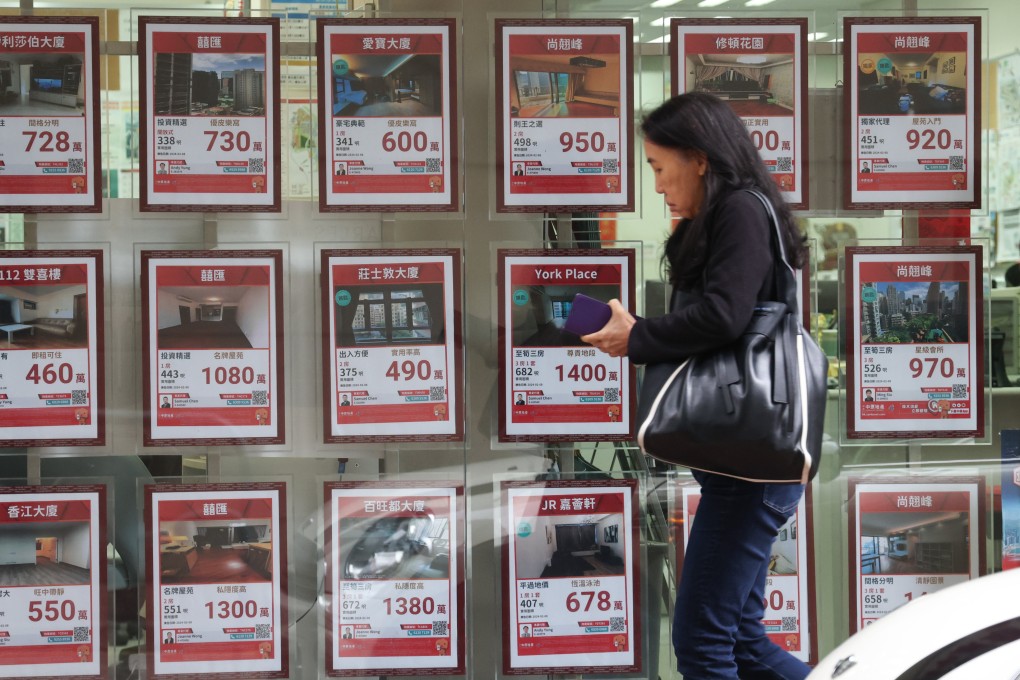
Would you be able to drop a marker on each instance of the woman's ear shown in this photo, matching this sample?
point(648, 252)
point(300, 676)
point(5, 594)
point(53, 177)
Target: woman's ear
point(701, 159)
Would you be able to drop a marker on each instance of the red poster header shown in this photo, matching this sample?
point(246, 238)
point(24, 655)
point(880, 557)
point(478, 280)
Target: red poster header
point(408, 504)
point(49, 510)
point(915, 271)
point(913, 41)
point(42, 273)
point(213, 508)
point(13, 41)
point(212, 274)
point(718, 42)
point(578, 503)
point(915, 500)
point(385, 43)
point(387, 273)
point(214, 40)
point(560, 274)
point(566, 43)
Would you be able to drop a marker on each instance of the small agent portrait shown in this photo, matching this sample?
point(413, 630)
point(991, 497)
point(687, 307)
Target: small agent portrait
point(525, 631)
point(162, 168)
point(865, 167)
point(165, 403)
point(347, 634)
point(345, 400)
point(519, 401)
point(341, 168)
point(168, 639)
point(869, 395)
point(518, 170)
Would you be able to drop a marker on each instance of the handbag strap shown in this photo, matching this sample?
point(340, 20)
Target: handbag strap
point(785, 280)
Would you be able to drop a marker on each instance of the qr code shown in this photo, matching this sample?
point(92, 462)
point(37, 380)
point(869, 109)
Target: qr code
point(432, 165)
point(610, 166)
point(79, 397)
point(258, 398)
point(612, 394)
point(956, 162)
point(440, 627)
point(437, 393)
point(616, 624)
point(960, 391)
point(256, 166)
point(784, 164)
point(82, 634)
point(76, 166)
point(789, 623)
point(263, 631)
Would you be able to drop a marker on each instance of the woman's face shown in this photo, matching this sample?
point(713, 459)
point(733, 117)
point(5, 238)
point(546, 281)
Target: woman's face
point(679, 177)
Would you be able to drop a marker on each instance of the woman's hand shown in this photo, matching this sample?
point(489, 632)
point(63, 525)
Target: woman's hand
point(613, 337)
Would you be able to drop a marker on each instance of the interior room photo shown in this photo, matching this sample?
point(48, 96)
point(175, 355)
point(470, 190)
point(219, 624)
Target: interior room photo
point(44, 317)
point(914, 543)
point(366, 85)
point(554, 86)
point(32, 83)
point(754, 85)
point(215, 551)
point(213, 317)
point(45, 554)
point(379, 315)
point(566, 546)
point(395, 547)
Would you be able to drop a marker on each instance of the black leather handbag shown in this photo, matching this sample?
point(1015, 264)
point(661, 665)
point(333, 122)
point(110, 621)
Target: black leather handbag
point(755, 409)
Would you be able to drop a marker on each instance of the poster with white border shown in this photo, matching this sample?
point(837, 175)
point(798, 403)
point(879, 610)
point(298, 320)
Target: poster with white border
point(912, 92)
point(50, 146)
point(759, 67)
point(395, 578)
point(53, 619)
point(553, 386)
point(910, 537)
point(213, 347)
point(387, 115)
point(209, 119)
point(51, 348)
point(570, 565)
point(391, 342)
point(915, 347)
point(216, 580)
point(564, 104)
point(789, 610)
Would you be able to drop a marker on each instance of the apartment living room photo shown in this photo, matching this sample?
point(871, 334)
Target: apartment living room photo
point(223, 317)
point(45, 554)
point(44, 317)
point(572, 546)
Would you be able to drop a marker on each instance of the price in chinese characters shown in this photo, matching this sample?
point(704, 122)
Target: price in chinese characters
point(583, 141)
point(405, 141)
point(588, 599)
point(236, 609)
point(409, 605)
point(234, 375)
point(928, 365)
point(929, 139)
point(582, 372)
point(50, 374)
point(51, 610)
point(48, 141)
point(409, 370)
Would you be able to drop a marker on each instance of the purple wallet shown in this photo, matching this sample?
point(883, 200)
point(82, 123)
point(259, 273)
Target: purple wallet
point(587, 315)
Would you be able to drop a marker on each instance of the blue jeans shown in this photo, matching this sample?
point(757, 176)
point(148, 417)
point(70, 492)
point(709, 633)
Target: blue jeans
point(717, 628)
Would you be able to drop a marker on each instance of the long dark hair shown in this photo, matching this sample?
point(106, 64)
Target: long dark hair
point(702, 122)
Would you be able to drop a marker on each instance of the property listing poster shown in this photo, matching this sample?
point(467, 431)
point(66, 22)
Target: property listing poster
point(392, 345)
point(1010, 499)
point(759, 67)
point(53, 581)
point(789, 605)
point(49, 115)
point(217, 580)
point(387, 112)
point(915, 346)
point(912, 93)
point(564, 103)
point(552, 386)
point(213, 346)
point(395, 578)
point(51, 348)
point(209, 118)
point(910, 537)
point(570, 560)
